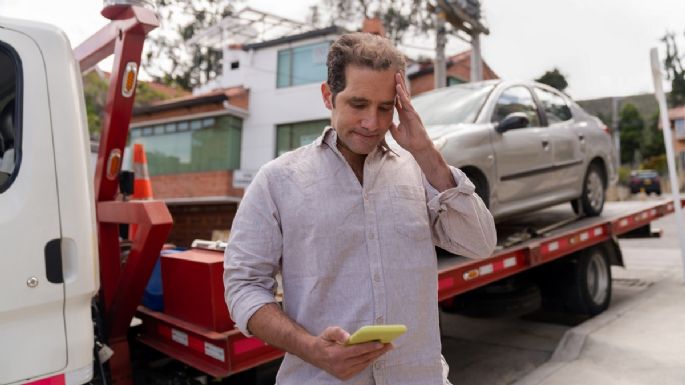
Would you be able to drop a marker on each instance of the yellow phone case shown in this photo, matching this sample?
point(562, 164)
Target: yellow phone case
point(382, 333)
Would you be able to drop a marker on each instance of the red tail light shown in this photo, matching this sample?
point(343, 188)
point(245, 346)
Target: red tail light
point(606, 129)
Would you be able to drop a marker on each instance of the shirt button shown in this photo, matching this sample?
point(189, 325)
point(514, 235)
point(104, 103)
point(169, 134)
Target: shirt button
point(366, 196)
point(377, 277)
point(378, 365)
point(372, 235)
point(379, 320)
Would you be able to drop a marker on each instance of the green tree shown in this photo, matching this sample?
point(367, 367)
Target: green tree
point(95, 87)
point(553, 78)
point(631, 126)
point(674, 70)
point(653, 139)
point(168, 58)
point(399, 16)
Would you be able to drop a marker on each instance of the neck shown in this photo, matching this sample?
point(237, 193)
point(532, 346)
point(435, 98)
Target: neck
point(356, 161)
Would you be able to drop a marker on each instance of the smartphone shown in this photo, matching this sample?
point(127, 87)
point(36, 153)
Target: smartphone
point(382, 333)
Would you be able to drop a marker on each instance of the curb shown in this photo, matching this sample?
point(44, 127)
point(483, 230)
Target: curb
point(571, 344)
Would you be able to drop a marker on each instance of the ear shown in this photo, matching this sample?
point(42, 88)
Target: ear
point(327, 96)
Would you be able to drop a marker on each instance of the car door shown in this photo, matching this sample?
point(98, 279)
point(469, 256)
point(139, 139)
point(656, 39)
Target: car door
point(32, 324)
point(522, 155)
point(568, 142)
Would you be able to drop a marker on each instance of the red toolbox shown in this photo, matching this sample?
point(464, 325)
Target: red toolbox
point(194, 288)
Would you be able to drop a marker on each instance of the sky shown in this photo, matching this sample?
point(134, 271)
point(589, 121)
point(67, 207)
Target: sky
point(601, 46)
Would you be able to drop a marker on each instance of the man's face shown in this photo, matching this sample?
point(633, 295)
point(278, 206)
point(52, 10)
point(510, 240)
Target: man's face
point(363, 110)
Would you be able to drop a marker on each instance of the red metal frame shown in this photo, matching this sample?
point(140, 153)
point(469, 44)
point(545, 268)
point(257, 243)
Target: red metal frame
point(122, 284)
point(218, 354)
point(186, 342)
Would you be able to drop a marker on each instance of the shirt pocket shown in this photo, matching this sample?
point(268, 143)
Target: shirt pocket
point(410, 212)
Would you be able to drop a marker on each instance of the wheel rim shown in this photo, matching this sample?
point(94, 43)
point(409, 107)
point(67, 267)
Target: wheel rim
point(595, 191)
point(597, 279)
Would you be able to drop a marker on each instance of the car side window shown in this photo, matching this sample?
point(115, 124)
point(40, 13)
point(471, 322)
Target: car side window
point(555, 107)
point(10, 83)
point(516, 99)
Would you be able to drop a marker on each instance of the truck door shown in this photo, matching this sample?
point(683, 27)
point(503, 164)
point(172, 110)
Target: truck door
point(32, 324)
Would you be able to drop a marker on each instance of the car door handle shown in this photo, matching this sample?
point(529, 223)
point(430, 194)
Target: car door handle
point(545, 145)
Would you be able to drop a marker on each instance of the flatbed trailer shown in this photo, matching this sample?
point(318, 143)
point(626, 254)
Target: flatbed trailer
point(223, 354)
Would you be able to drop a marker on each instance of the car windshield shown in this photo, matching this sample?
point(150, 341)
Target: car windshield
point(452, 105)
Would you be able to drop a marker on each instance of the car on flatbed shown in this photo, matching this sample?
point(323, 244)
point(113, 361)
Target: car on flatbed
point(524, 145)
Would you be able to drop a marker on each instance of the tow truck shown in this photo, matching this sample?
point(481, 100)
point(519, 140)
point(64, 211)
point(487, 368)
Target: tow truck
point(70, 300)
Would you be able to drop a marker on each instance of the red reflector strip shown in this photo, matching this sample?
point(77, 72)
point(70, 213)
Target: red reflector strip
point(584, 236)
point(54, 380)
point(247, 344)
point(445, 283)
point(490, 268)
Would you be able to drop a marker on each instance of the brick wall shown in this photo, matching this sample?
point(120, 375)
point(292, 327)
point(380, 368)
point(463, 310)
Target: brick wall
point(460, 69)
point(198, 221)
point(195, 184)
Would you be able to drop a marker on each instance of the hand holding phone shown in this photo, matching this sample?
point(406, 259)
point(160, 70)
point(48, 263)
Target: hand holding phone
point(382, 333)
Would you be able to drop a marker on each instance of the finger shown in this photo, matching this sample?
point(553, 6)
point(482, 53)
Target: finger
point(393, 129)
point(335, 334)
point(361, 349)
point(371, 356)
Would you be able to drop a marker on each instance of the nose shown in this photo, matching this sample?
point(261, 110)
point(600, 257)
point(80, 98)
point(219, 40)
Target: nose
point(370, 121)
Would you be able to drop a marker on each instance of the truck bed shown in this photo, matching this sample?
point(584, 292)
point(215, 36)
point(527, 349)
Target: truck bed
point(459, 274)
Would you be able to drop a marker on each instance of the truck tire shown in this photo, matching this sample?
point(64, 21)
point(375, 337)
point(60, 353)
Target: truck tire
point(481, 184)
point(580, 285)
point(486, 303)
point(594, 191)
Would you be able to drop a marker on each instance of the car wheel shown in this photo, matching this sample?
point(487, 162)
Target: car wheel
point(481, 186)
point(594, 191)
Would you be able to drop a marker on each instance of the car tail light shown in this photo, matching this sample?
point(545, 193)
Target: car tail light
point(634, 180)
point(606, 129)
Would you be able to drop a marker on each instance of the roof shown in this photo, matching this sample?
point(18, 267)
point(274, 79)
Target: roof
point(216, 96)
point(458, 59)
point(332, 30)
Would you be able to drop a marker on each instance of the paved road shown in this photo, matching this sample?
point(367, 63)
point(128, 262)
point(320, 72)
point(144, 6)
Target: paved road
point(499, 352)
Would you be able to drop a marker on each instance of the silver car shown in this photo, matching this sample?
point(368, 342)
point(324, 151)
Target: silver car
point(523, 144)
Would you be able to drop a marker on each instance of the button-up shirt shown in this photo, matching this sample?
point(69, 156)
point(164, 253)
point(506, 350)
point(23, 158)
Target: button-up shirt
point(352, 255)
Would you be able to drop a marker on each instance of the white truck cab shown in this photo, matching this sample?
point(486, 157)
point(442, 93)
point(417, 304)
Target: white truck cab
point(48, 240)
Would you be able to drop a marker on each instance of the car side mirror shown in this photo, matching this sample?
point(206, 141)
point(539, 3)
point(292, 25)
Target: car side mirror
point(512, 121)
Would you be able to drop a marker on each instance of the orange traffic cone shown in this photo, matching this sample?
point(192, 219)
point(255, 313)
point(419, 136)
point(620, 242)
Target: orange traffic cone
point(142, 187)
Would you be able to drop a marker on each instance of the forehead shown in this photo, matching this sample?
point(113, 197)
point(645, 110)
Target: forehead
point(367, 83)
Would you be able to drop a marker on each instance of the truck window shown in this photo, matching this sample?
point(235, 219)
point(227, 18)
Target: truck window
point(10, 92)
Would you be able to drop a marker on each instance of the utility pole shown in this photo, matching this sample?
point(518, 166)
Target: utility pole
point(440, 65)
point(476, 60)
point(463, 15)
point(616, 129)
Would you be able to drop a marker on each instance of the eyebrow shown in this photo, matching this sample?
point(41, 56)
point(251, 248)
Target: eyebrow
point(357, 99)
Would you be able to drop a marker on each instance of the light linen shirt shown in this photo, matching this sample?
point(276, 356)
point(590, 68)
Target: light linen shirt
point(352, 255)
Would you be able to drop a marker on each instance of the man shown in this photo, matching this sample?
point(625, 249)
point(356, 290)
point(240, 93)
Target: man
point(351, 225)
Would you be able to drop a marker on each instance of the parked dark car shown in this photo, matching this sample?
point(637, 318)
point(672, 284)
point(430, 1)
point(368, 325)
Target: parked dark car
point(647, 180)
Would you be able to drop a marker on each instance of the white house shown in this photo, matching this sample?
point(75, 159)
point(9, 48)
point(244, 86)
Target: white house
point(283, 77)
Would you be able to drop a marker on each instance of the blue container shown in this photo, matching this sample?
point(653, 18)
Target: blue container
point(153, 297)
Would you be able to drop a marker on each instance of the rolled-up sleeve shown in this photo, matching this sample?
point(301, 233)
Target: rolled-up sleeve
point(253, 253)
point(461, 224)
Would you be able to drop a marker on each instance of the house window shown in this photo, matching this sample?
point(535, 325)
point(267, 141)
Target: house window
point(302, 65)
point(191, 145)
point(451, 81)
point(679, 128)
point(293, 135)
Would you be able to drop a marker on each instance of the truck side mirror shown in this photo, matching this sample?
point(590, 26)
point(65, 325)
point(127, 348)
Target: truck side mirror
point(512, 121)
